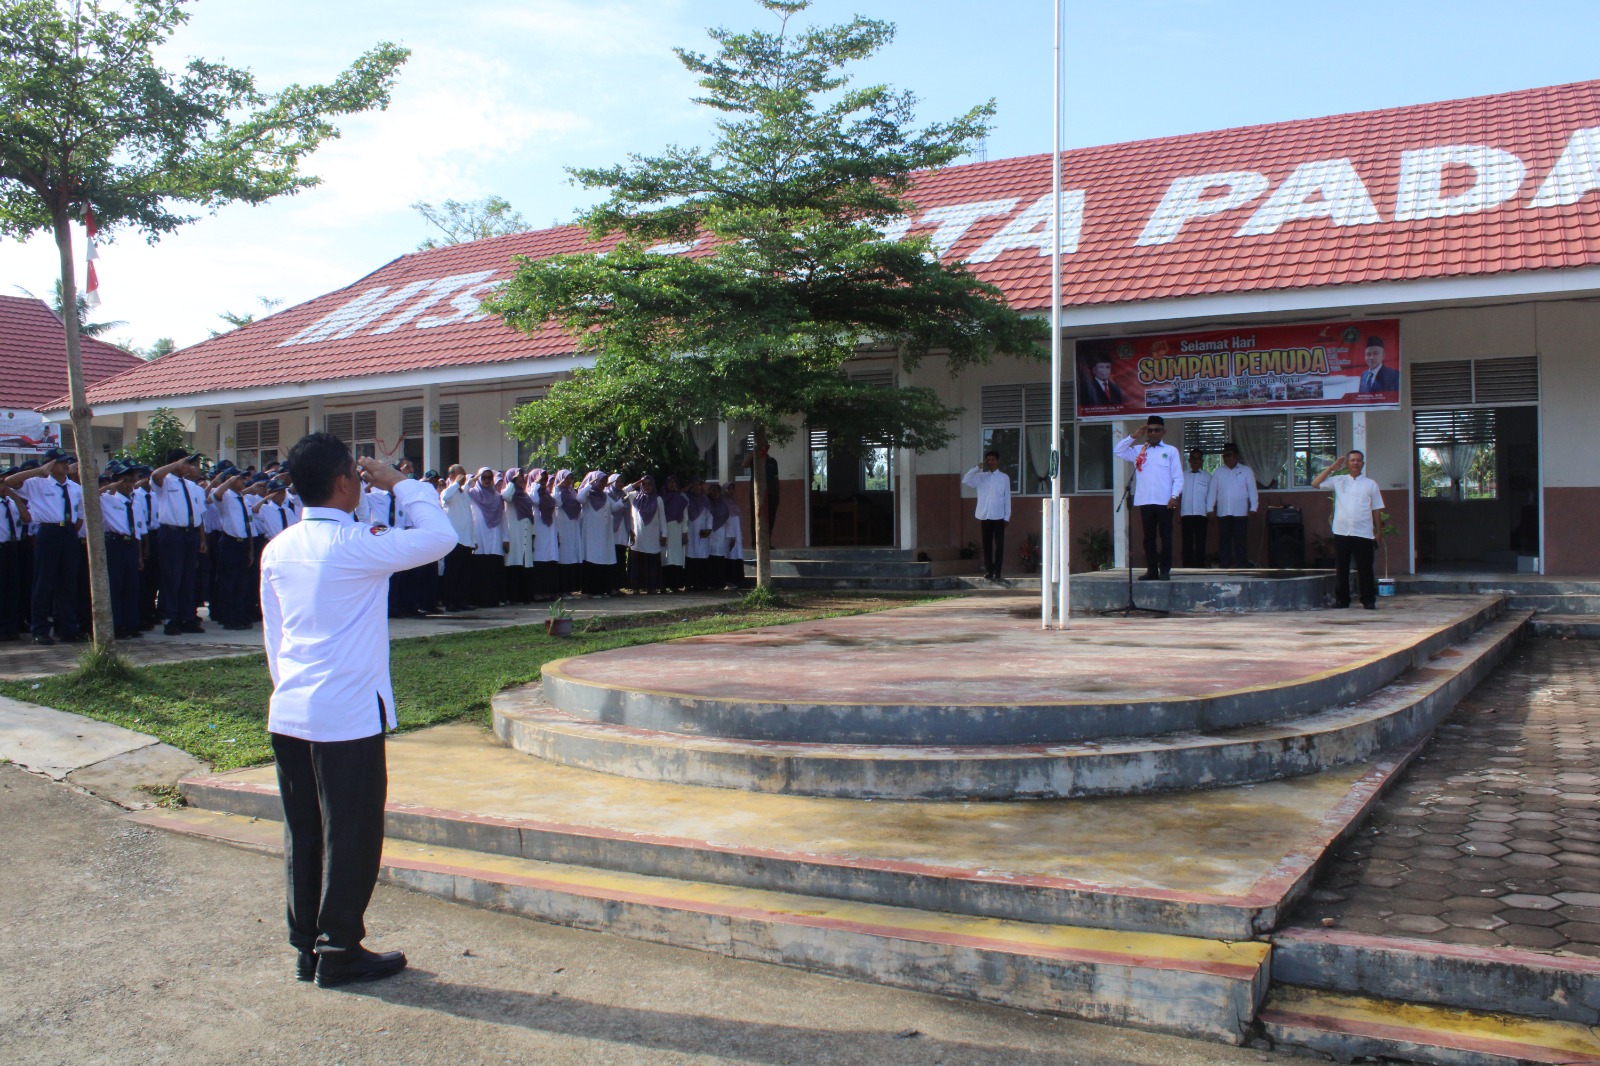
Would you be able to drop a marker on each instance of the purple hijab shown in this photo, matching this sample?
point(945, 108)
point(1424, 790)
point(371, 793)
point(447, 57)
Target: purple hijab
point(719, 510)
point(646, 502)
point(488, 501)
point(619, 517)
point(696, 504)
point(541, 496)
point(519, 495)
point(595, 482)
point(571, 506)
point(674, 504)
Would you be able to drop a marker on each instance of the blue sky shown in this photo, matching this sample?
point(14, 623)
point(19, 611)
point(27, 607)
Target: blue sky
point(500, 97)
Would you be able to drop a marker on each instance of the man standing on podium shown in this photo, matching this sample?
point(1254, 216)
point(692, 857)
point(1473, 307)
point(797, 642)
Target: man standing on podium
point(1157, 488)
point(324, 606)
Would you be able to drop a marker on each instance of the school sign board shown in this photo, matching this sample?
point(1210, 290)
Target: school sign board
point(1335, 366)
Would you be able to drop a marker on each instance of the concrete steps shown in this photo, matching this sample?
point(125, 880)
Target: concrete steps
point(1406, 709)
point(1186, 985)
point(569, 686)
point(1528, 983)
point(1348, 1027)
point(890, 569)
point(1568, 626)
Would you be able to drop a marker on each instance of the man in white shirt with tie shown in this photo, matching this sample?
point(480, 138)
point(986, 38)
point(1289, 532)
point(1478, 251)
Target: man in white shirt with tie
point(13, 528)
point(324, 597)
point(1233, 496)
point(181, 504)
point(1157, 489)
point(56, 504)
point(230, 608)
point(1192, 511)
point(122, 550)
point(993, 487)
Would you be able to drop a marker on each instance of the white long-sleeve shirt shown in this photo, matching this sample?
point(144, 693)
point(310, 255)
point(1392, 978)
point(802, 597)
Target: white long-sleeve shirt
point(324, 608)
point(458, 506)
point(1233, 491)
point(994, 493)
point(1196, 490)
point(1158, 478)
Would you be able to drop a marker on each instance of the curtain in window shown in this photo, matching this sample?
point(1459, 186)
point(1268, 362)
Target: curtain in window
point(1263, 445)
point(1457, 460)
point(1038, 459)
point(704, 435)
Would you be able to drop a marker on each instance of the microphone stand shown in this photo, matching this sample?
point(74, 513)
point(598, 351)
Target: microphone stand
point(1130, 608)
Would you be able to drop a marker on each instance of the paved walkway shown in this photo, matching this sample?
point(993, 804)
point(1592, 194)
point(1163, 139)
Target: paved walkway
point(1492, 837)
point(23, 659)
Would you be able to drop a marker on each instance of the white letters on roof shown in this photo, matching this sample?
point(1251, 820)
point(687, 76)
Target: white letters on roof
point(1576, 173)
point(1186, 199)
point(1344, 199)
point(1031, 229)
point(1497, 177)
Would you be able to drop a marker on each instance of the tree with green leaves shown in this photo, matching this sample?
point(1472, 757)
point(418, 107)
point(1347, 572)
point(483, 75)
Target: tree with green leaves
point(473, 220)
point(738, 280)
point(236, 319)
point(90, 117)
point(156, 438)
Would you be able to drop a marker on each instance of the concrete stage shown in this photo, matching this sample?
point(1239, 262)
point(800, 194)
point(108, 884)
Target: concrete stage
point(1207, 591)
point(970, 699)
point(1126, 903)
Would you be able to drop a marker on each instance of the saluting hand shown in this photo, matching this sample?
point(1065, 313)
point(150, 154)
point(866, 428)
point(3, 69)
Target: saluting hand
point(379, 475)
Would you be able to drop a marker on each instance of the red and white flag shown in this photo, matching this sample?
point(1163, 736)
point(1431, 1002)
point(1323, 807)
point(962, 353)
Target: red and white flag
point(91, 285)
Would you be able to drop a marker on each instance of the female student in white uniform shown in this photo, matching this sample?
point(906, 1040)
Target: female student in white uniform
point(518, 537)
point(486, 568)
point(546, 543)
point(599, 542)
point(674, 519)
point(569, 533)
point(696, 549)
point(649, 536)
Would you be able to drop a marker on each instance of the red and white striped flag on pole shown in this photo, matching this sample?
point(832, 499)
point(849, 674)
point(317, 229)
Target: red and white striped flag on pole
point(91, 284)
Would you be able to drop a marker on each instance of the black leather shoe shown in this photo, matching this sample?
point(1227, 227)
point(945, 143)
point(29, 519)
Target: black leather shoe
point(1149, 575)
point(305, 966)
point(172, 631)
point(44, 640)
point(193, 627)
point(337, 968)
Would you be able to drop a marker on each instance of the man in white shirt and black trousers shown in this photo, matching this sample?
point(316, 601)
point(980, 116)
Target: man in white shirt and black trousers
point(324, 602)
point(993, 486)
point(1357, 527)
point(1157, 488)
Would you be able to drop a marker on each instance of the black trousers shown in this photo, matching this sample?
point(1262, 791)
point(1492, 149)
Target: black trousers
point(453, 582)
point(994, 545)
point(1361, 549)
point(597, 578)
point(486, 576)
point(1232, 534)
point(1194, 540)
point(644, 571)
point(231, 565)
point(55, 581)
point(180, 563)
point(1157, 521)
point(10, 587)
point(674, 577)
point(333, 795)
point(122, 566)
point(150, 577)
point(546, 580)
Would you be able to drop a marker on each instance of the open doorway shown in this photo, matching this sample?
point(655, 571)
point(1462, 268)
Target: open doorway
point(850, 493)
point(1477, 489)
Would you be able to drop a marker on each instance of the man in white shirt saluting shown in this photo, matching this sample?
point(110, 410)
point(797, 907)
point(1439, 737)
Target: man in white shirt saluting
point(993, 486)
point(324, 604)
point(1157, 488)
point(1357, 527)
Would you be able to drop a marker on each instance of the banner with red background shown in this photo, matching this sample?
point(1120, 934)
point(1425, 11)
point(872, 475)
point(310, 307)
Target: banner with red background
point(1338, 366)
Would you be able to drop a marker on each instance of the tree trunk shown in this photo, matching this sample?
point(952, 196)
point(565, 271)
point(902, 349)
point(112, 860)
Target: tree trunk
point(83, 444)
point(758, 504)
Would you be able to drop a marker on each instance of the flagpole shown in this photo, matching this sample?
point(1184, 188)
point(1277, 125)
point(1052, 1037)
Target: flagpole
point(1054, 601)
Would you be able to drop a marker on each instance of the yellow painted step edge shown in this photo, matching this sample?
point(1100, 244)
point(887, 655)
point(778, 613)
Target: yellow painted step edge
point(1508, 1035)
point(1239, 959)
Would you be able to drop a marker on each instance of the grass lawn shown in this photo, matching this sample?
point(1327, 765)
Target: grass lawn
point(216, 709)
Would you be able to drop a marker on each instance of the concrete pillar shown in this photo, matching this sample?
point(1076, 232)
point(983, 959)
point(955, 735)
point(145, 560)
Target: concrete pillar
point(724, 460)
point(226, 448)
point(430, 428)
point(1358, 431)
point(318, 423)
point(906, 465)
point(1123, 472)
point(130, 429)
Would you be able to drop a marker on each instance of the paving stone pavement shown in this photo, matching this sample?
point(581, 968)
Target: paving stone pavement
point(1492, 836)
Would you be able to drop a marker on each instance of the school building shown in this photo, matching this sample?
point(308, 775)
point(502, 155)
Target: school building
point(1467, 232)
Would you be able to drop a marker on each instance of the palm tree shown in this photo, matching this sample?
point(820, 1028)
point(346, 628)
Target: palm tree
point(85, 327)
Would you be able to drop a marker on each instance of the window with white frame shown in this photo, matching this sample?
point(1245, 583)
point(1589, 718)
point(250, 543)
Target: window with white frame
point(1016, 424)
point(358, 429)
point(1284, 451)
point(255, 443)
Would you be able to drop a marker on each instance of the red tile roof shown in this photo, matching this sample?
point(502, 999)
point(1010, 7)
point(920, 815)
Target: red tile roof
point(33, 355)
point(1349, 199)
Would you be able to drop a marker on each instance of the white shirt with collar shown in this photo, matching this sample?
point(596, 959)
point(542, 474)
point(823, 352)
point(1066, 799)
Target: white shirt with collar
point(1196, 490)
point(46, 503)
point(458, 506)
point(994, 493)
point(324, 608)
point(12, 528)
point(1158, 471)
point(1354, 500)
point(170, 496)
point(114, 514)
point(233, 514)
point(273, 518)
point(145, 511)
point(1233, 491)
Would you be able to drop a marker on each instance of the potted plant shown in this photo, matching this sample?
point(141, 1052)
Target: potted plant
point(1387, 529)
point(1096, 545)
point(559, 624)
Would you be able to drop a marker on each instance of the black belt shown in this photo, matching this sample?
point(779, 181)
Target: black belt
point(62, 525)
point(120, 536)
point(236, 540)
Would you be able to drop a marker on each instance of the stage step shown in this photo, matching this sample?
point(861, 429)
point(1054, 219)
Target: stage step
point(1349, 1027)
point(1185, 985)
point(586, 689)
point(1527, 983)
point(1393, 716)
point(1567, 626)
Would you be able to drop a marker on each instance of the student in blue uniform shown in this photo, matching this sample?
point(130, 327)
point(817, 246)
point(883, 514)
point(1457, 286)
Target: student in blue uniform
point(182, 506)
point(122, 549)
point(13, 537)
point(324, 597)
point(56, 504)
